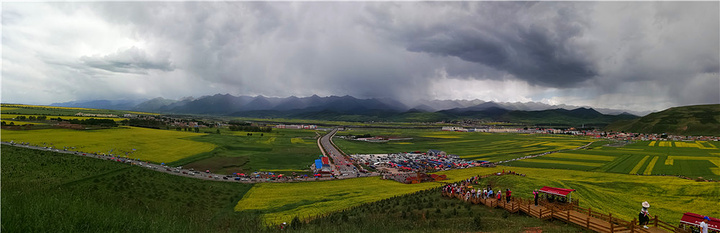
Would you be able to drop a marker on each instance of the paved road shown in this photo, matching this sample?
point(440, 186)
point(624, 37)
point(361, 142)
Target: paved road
point(341, 164)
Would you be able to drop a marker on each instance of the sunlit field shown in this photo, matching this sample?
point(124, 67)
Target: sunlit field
point(619, 194)
point(280, 202)
point(133, 142)
point(693, 159)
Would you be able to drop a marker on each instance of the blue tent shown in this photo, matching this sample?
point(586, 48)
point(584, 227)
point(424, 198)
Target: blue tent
point(318, 164)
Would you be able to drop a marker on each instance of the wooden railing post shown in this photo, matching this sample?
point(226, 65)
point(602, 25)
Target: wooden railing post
point(612, 226)
point(588, 222)
point(632, 226)
point(656, 220)
point(568, 215)
point(589, 211)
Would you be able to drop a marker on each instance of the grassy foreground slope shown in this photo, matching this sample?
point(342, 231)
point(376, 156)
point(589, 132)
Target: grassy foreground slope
point(148, 144)
point(280, 202)
point(686, 120)
point(50, 192)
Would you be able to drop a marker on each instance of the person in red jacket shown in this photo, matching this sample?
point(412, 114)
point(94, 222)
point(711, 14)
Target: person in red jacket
point(507, 195)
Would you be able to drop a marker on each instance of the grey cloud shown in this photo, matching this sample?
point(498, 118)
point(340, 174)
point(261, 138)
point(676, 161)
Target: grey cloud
point(576, 50)
point(132, 60)
point(497, 35)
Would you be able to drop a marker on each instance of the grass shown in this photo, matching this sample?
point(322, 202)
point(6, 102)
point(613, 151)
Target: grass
point(13, 116)
point(149, 144)
point(427, 211)
point(280, 202)
point(45, 191)
point(620, 194)
point(281, 150)
point(23, 122)
point(468, 145)
point(23, 109)
point(692, 159)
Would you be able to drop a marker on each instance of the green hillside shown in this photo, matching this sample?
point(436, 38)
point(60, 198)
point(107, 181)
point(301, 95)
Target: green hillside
point(686, 120)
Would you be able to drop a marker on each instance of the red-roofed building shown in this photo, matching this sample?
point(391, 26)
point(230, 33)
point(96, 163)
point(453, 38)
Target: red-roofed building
point(694, 220)
point(557, 192)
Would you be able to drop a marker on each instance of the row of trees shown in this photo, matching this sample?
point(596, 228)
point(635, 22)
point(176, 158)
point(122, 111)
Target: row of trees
point(31, 118)
point(91, 121)
point(245, 126)
point(250, 128)
point(145, 123)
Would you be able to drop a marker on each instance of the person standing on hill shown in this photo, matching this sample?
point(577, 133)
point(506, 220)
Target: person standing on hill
point(644, 215)
point(507, 195)
point(535, 195)
point(704, 225)
point(499, 195)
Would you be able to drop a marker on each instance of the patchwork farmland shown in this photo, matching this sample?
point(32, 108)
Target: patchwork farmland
point(691, 159)
point(472, 146)
point(608, 178)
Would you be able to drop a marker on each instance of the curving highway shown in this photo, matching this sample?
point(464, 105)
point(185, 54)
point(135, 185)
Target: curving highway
point(339, 163)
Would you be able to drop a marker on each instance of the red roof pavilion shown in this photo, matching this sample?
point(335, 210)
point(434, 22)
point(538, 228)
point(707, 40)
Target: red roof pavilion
point(694, 219)
point(556, 191)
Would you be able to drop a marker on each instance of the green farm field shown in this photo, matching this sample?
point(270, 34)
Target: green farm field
point(44, 191)
point(474, 146)
point(620, 194)
point(23, 109)
point(150, 144)
point(282, 150)
point(41, 194)
point(692, 159)
point(280, 202)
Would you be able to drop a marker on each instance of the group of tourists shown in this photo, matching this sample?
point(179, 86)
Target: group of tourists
point(466, 190)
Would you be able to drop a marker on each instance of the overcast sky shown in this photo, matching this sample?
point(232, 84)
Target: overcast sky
point(625, 55)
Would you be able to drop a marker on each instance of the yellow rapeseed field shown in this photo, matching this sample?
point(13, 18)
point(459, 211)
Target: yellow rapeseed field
point(280, 202)
point(540, 160)
point(619, 194)
point(650, 166)
point(149, 144)
point(13, 116)
point(297, 141)
point(22, 122)
point(639, 165)
point(567, 155)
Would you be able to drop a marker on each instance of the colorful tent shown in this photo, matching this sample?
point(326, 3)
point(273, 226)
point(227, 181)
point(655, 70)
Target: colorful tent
point(318, 164)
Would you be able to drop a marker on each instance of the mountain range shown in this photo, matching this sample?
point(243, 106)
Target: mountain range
point(349, 108)
point(229, 103)
point(685, 120)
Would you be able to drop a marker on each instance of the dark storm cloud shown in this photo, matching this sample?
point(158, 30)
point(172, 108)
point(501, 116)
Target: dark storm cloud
point(132, 60)
point(498, 35)
point(657, 54)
